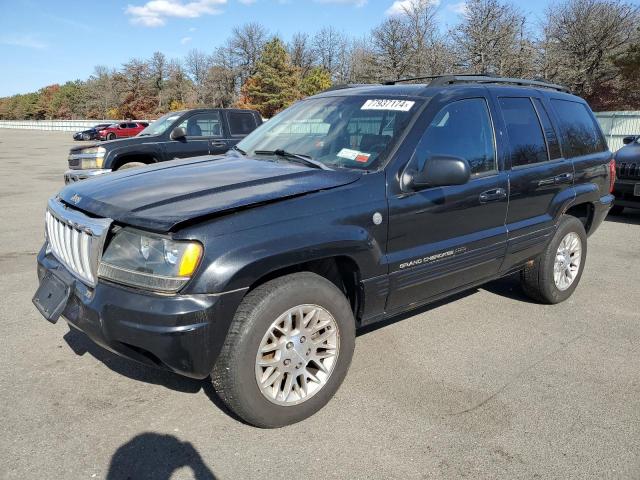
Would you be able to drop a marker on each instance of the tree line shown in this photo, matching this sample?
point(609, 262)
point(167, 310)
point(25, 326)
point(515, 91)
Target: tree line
point(591, 46)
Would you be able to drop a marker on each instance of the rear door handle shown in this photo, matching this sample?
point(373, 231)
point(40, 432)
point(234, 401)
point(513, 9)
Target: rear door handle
point(564, 178)
point(546, 182)
point(218, 143)
point(493, 195)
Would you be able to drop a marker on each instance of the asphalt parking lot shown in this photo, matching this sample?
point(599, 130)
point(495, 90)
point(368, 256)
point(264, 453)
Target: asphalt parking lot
point(485, 385)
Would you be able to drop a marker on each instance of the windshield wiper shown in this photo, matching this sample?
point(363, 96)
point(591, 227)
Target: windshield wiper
point(238, 149)
point(305, 159)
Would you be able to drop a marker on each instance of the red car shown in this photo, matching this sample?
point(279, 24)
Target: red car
point(122, 130)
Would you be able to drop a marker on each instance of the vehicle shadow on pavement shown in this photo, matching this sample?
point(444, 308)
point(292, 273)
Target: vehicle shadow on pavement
point(156, 456)
point(81, 344)
point(508, 287)
point(629, 216)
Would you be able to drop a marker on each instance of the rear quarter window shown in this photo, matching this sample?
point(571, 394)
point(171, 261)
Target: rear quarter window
point(241, 123)
point(579, 132)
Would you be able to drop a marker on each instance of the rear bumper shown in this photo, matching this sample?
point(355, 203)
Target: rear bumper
point(624, 193)
point(71, 176)
point(180, 333)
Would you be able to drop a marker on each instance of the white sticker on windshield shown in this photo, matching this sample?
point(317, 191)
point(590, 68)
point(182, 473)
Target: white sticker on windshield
point(387, 104)
point(348, 153)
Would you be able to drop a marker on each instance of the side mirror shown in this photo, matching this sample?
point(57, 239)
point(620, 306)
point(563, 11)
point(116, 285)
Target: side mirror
point(178, 133)
point(628, 140)
point(439, 171)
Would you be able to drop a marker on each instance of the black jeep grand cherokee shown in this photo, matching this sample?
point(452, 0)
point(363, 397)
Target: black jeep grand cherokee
point(351, 206)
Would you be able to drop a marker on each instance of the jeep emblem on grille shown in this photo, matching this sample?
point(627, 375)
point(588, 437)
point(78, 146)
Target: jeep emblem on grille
point(76, 198)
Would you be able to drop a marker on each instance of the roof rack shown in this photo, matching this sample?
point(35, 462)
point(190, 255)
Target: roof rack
point(343, 86)
point(440, 80)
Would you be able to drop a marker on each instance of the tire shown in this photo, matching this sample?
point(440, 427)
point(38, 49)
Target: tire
point(111, 136)
point(539, 281)
point(616, 210)
point(131, 165)
point(86, 137)
point(236, 373)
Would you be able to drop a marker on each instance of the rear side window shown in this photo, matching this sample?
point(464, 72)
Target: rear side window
point(241, 123)
point(580, 134)
point(463, 129)
point(528, 146)
point(553, 144)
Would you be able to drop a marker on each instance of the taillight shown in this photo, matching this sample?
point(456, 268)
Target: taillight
point(612, 175)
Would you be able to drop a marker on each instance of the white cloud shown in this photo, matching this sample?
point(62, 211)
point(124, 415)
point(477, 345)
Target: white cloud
point(155, 12)
point(357, 3)
point(399, 7)
point(247, 2)
point(185, 40)
point(458, 8)
point(26, 41)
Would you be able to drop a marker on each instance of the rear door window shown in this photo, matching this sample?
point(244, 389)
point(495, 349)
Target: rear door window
point(241, 123)
point(526, 139)
point(580, 134)
point(553, 143)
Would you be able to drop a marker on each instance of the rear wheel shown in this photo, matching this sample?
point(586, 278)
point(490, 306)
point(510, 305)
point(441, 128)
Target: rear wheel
point(616, 210)
point(555, 274)
point(287, 351)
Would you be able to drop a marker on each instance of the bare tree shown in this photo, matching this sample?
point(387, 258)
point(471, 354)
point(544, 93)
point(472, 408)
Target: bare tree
point(331, 49)
point(581, 37)
point(489, 39)
point(301, 52)
point(246, 44)
point(158, 66)
point(197, 65)
point(392, 47)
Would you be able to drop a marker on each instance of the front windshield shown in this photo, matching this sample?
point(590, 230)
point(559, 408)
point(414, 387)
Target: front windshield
point(353, 132)
point(160, 125)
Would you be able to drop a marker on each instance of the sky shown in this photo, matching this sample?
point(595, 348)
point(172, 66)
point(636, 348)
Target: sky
point(46, 42)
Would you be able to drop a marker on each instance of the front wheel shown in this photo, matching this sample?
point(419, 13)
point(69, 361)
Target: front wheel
point(555, 274)
point(111, 136)
point(132, 165)
point(287, 351)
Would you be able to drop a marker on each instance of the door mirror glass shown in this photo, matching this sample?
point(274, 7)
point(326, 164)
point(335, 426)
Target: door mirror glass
point(439, 171)
point(628, 140)
point(178, 133)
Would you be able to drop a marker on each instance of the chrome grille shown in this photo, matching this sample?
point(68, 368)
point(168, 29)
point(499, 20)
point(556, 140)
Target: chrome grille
point(76, 240)
point(628, 170)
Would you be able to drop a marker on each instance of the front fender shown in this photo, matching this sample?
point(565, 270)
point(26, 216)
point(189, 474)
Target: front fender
point(149, 150)
point(242, 266)
point(243, 247)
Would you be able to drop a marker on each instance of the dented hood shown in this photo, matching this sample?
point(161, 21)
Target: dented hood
point(162, 196)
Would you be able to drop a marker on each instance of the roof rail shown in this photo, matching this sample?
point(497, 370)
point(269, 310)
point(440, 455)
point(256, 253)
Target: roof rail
point(453, 79)
point(426, 77)
point(440, 80)
point(343, 86)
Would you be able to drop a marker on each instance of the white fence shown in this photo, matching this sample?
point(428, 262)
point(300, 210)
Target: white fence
point(617, 125)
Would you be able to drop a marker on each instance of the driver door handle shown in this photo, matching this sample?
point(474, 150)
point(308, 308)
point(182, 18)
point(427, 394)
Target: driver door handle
point(218, 143)
point(493, 195)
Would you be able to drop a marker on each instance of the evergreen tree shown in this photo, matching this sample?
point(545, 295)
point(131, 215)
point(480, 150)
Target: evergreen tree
point(317, 80)
point(276, 83)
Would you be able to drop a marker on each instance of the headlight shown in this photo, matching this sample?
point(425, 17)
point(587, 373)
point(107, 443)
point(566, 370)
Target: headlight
point(89, 158)
point(149, 261)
